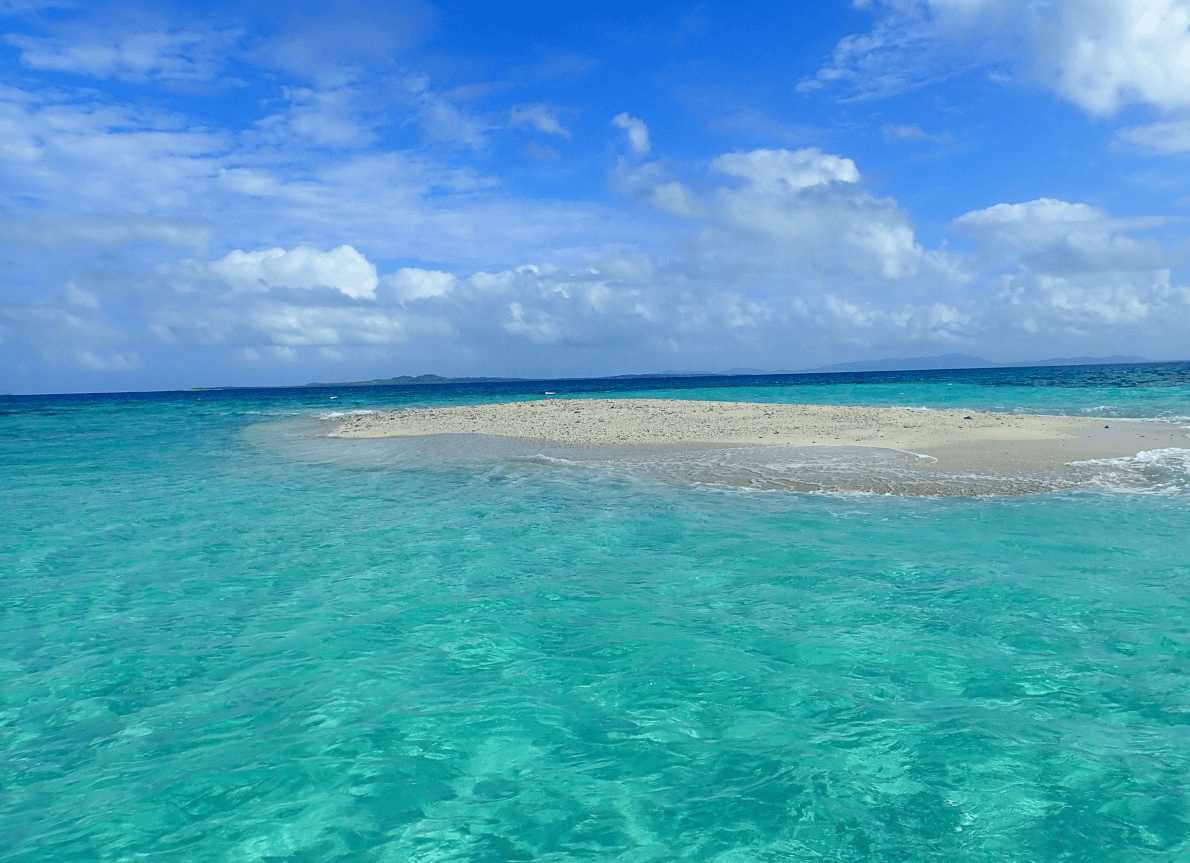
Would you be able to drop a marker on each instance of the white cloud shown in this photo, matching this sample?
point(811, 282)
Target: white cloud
point(650, 182)
point(1113, 304)
point(412, 283)
point(904, 132)
point(442, 118)
point(826, 272)
point(1100, 55)
point(72, 158)
point(781, 170)
point(1043, 211)
point(343, 269)
point(539, 117)
point(1070, 269)
point(323, 117)
point(637, 131)
point(298, 326)
point(801, 212)
point(1107, 54)
point(1060, 238)
point(1172, 136)
point(263, 188)
point(1145, 305)
point(136, 56)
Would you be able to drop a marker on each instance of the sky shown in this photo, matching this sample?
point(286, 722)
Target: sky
point(260, 193)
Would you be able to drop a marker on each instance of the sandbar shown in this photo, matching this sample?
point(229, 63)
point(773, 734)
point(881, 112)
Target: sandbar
point(955, 440)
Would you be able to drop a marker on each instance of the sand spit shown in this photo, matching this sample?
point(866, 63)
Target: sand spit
point(957, 440)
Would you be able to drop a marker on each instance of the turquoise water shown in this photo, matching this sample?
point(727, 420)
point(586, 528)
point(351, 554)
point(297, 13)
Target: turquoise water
point(225, 639)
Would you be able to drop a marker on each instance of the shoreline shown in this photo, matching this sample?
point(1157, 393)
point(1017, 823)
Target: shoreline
point(953, 440)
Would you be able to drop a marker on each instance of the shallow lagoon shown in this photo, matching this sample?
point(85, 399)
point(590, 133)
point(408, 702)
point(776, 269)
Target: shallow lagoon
point(223, 640)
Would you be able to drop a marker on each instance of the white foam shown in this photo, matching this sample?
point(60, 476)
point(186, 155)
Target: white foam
point(338, 415)
point(1159, 471)
point(1164, 417)
point(541, 458)
point(1158, 455)
point(1150, 456)
point(911, 452)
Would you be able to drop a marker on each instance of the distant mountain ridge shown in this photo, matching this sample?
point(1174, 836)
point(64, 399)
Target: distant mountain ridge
point(966, 361)
point(414, 380)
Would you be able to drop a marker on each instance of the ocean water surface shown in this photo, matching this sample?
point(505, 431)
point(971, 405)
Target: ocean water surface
point(225, 636)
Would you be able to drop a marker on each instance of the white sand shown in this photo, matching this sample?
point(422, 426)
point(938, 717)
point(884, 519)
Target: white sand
point(987, 441)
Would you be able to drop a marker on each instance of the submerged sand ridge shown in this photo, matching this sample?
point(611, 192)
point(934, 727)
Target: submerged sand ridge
point(958, 440)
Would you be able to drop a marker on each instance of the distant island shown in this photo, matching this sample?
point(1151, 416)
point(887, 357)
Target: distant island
point(906, 364)
point(965, 361)
point(412, 380)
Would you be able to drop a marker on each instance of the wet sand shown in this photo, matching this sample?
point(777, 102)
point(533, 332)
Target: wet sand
point(956, 440)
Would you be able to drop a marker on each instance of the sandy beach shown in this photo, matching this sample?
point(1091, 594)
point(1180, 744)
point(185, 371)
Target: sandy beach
point(956, 440)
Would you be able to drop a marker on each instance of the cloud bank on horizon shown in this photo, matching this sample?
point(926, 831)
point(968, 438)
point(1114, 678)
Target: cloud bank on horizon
point(210, 194)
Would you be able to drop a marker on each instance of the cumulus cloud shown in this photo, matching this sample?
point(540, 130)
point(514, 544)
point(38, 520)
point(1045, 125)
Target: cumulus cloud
point(412, 283)
point(651, 182)
point(343, 269)
point(1070, 269)
point(637, 131)
point(811, 205)
point(1043, 211)
point(780, 170)
point(1107, 54)
point(802, 213)
point(303, 326)
point(770, 295)
point(615, 312)
point(788, 253)
point(1060, 238)
point(826, 268)
point(1101, 55)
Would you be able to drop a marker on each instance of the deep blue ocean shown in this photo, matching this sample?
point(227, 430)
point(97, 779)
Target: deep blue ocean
point(225, 636)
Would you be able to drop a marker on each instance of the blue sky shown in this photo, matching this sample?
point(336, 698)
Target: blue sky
point(261, 193)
